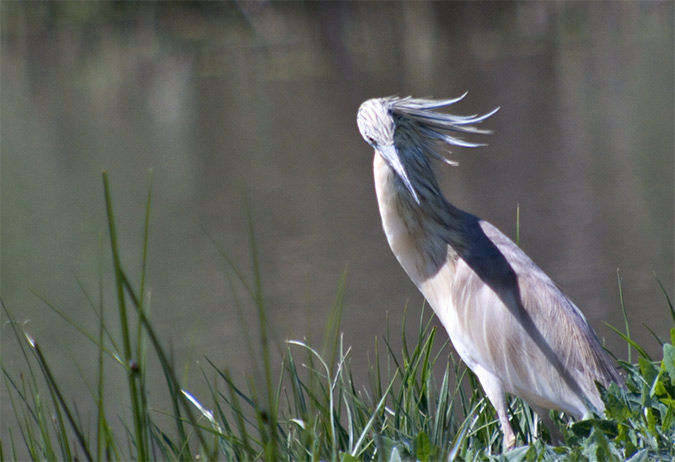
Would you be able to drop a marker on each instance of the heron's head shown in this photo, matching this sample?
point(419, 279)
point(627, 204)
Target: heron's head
point(378, 127)
point(376, 122)
point(397, 127)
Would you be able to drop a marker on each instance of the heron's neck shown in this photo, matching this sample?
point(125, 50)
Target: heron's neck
point(424, 235)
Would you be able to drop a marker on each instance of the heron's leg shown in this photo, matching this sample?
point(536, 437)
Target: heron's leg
point(556, 435)
point(495, 392)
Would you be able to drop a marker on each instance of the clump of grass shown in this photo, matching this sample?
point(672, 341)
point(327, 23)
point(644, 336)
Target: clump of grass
point(49, 425)
point(419, 403)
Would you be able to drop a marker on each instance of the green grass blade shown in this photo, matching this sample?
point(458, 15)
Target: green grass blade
point(137, 411)
point(271, 449)
point(670, 303)
point(518, 225)
point(380, 405)
point(631, 343)
point(625, 317)
point(331, 334)
point(59, 400)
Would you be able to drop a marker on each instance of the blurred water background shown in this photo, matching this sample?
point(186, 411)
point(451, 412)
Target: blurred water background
point(256, 102)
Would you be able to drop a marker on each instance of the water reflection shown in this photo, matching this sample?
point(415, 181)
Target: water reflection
point(256, 102)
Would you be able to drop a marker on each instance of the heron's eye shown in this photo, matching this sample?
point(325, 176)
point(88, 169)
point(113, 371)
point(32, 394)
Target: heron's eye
point(371, 140)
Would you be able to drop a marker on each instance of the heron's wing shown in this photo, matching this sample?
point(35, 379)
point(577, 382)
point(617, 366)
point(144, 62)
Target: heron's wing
point(523, 328)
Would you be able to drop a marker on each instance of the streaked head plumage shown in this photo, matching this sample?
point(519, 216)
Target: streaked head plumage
point(393, 124)
point(376, 122)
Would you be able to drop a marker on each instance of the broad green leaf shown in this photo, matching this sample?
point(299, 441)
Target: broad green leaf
point(423, 447)
point(668, 363)
point(346, 457)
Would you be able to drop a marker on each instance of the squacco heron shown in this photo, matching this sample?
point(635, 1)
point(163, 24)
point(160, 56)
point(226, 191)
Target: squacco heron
point(507, 320)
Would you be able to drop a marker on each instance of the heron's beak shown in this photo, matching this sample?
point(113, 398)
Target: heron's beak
point(390, 154)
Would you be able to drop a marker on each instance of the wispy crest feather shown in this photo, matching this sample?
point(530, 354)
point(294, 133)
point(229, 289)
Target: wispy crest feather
point(435, 125)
